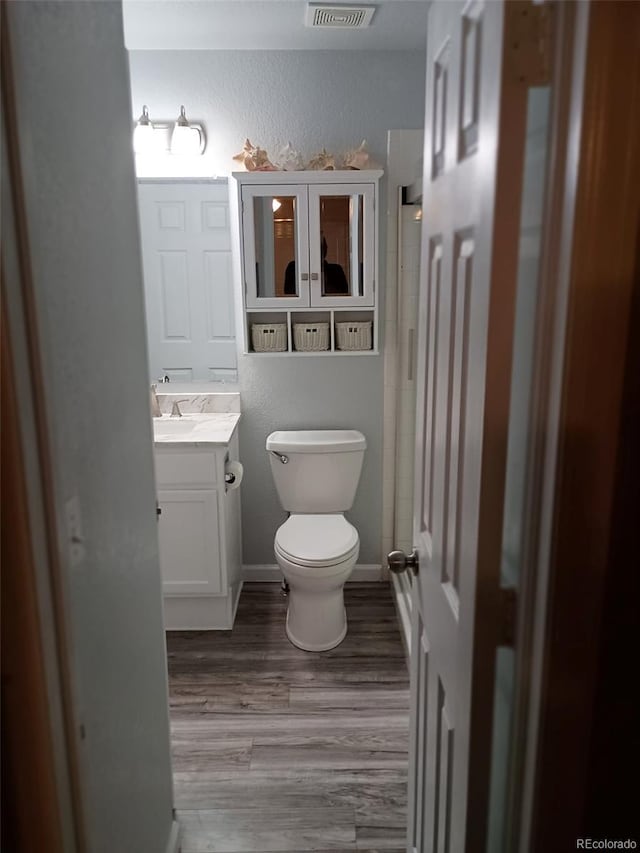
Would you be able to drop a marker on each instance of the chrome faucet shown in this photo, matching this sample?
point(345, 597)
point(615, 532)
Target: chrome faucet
point(175, 409)
point(155, 405)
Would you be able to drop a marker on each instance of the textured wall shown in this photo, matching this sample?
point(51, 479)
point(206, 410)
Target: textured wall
point(314, 99)
point(74, 121)
point(305, 393)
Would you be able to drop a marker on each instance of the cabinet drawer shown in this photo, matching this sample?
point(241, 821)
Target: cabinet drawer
point(184, 468)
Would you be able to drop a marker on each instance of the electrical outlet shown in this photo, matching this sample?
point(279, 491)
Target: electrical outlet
point(75, 539)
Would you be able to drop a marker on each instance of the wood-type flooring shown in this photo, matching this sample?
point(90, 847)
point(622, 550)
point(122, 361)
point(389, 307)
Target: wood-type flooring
point(276, 749)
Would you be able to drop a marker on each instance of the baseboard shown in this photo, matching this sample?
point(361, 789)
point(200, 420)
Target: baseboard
point(201, 612)
point(271, 573)
point(173, 842)
point(402, 599)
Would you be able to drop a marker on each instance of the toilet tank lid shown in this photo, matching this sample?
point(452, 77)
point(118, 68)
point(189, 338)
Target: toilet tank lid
point(316, 441)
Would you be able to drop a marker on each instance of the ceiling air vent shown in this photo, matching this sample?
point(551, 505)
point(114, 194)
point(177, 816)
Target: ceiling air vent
point(344, 17)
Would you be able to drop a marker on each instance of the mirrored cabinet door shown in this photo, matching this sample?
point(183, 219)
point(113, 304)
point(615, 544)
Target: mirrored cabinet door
point(341, 244)
point(276, 250)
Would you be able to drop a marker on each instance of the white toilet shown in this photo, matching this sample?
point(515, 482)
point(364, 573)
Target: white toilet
point(316, 473)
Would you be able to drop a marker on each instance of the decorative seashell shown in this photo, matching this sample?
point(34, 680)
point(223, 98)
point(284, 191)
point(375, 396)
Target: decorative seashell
point(254, 158)
point(357, 158)
point(289, 159)
point(322, 162)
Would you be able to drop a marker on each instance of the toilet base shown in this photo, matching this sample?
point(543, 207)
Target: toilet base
point(316, 616)
point(316, 647)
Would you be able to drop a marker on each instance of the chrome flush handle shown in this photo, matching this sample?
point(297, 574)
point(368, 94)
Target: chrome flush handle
point(398, 562)
point(284, 459)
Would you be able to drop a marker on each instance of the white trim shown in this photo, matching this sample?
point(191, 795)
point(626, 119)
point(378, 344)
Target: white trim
point(202, 612)
point(177, 181)
point(402, 600)
point(404, 166)
point(272, 573)
point(308, 176)
point(173, 842)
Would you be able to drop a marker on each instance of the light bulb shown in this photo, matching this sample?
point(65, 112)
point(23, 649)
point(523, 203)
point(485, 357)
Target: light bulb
point(144, 139)
point(185, 139)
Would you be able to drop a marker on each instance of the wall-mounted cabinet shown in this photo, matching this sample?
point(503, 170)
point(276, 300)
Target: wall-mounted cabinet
point(308, 257)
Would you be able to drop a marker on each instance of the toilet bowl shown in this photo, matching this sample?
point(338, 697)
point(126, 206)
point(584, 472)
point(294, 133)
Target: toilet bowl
point(316, 473)
point(317, 554)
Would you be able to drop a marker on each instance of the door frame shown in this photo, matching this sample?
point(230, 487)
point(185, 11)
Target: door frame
point(47, 674)
point(582, 395)
point(591, 229)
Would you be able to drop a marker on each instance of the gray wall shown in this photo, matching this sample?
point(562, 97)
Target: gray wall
point(314, 99)
point(297, 393)
point(74, 124)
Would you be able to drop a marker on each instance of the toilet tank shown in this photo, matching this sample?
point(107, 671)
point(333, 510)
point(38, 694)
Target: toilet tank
point(321, 471)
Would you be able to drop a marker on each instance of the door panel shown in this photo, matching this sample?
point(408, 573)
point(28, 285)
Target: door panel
point(186, 256)
point(189, 542)
point(474, 143)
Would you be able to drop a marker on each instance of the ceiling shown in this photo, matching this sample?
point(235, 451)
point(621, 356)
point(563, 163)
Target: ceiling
point(266, 25)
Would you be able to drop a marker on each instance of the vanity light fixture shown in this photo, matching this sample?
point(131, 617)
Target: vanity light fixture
point(167, 138)
point(143, 135)
point(187, 138)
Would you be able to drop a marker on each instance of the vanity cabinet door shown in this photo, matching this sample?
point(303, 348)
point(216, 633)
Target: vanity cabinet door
point(275, 246)
point(342, 245)
point(189, 536)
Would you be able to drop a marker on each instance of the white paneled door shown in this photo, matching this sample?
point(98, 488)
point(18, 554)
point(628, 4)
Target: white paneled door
point(186, 250)
point(473, 162)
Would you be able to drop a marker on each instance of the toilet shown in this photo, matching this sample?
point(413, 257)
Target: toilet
point(316, 473)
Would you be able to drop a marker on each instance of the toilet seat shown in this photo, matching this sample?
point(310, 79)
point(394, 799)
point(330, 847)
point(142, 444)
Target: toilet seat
point(317, 541)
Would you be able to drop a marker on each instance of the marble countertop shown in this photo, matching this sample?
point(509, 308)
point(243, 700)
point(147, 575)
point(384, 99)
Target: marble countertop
point(195, 429)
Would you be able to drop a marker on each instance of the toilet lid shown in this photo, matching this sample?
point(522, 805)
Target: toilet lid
point(319, 539)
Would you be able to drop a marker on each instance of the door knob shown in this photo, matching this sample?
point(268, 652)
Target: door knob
point(398, 562)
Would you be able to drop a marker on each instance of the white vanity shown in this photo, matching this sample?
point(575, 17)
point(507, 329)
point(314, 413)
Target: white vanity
point(197, 479)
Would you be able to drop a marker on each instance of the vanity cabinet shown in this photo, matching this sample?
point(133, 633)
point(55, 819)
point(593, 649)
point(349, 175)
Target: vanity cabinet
point(199, 536)
point(308, 254)
point(189, 534)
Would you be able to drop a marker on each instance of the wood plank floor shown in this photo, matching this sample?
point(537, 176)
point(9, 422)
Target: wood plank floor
point(276, 749)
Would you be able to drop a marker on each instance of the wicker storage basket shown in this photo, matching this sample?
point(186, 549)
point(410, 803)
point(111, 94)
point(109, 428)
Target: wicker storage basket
point(354, 335)
point(311, 337)
point(269, 337)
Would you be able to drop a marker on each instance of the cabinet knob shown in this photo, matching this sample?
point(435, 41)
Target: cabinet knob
point(304, 276)
point(315, 276)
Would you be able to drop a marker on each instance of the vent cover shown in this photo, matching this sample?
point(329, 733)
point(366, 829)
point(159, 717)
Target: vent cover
point(343, 17)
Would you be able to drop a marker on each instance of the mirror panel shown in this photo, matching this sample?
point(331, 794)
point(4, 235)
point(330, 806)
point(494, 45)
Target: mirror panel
point(342, 244)
point(276, 244)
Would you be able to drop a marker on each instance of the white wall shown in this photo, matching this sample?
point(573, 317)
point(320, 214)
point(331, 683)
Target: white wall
point(74, 124)
point(314, 99)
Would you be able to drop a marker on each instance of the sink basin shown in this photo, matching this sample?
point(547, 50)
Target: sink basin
point(195, 428)
point(173, 426)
